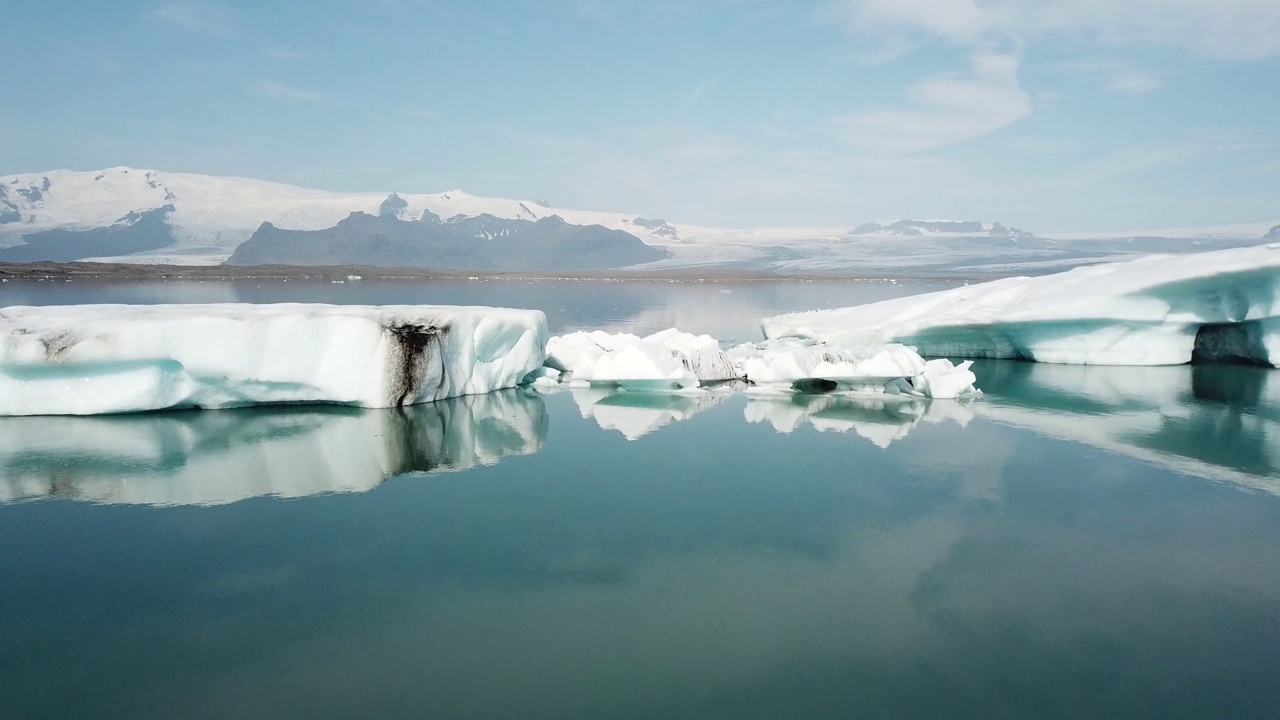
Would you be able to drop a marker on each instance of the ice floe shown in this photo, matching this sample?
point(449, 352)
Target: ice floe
point(675, 361)
point(214, 458)
point(93, 359)
point(1156, 310)
point(664, 360)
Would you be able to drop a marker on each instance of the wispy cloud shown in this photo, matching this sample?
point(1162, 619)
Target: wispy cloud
point(283, 52)
point(195, 17)
point(942, 110)
point(1135, 82)
point(1235, 29)
point(287, 92)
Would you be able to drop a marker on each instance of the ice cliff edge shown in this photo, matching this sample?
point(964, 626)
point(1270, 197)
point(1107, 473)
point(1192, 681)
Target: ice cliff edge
point(1156, 310)
point(94, 359)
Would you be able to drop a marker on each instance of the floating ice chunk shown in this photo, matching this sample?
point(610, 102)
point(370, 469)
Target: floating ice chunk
point(940, 379)
point(669, 358)
point(195, 458)
point(788, 360)
point(1156, 310)
point(636, 414)
point(808, 365)
point(93, 359)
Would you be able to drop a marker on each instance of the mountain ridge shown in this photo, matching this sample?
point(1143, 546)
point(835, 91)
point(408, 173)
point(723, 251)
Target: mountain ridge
point(202, 219)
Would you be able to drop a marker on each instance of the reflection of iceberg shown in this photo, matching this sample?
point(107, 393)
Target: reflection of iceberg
point(636, 414)
point(1220, 422)
point(210, 458)
point(880, 419)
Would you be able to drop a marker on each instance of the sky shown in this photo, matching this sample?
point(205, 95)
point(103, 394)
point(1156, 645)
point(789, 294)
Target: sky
point(1068, 116)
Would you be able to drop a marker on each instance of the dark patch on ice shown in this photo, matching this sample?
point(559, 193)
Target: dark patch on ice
point(57, 345)
point(1237, 343)
point(814, 386)
point(418, 348)
point(32, 194)
point(8, 211)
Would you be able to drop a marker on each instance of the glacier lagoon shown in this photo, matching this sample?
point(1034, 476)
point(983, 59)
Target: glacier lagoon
point(1078, 542)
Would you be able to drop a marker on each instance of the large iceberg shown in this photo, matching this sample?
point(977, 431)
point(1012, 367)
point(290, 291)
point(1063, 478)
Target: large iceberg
point(1156, 310)
point(94, 359)
point(195, 458)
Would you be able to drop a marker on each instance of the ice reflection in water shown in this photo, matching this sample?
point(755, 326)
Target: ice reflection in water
point(217, 457)
point(1219, 422)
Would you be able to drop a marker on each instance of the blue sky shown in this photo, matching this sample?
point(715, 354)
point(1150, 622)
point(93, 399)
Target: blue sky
point(1071, 115)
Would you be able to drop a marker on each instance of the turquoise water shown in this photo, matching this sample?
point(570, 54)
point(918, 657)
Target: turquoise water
point(1079, 543)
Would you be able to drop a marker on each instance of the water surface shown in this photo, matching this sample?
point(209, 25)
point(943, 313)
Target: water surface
point(1080, 542)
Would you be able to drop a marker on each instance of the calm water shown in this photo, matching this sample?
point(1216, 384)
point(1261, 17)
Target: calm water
point(1079, 543)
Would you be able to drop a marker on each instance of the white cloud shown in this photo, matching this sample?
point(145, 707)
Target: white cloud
point(1232, 29)
point(284, 52)
point(194, 16)
point(944, 109)
point(951, 19)
point(287, 92)
point(1135, 82)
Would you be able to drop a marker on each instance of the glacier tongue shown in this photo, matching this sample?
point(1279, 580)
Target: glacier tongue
point(94, 359)
point(1157, 310)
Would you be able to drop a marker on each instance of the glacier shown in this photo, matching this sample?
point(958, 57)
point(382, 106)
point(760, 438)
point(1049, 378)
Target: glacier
point(96, 359)
point(216, 458)
point(1156, 310)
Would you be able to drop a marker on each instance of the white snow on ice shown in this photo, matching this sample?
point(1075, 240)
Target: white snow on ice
point(93, 359)
point(672, 360)
point(1151, 311)
point(667, 359)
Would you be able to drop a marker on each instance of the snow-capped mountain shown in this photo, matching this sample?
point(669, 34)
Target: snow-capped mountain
point(151, 216)
point(208, 217)
point(939, 228)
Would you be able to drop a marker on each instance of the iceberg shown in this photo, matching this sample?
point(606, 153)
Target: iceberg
point(810, 365)
point(665, 360)
point(1156, 310)
point(197, 458)
point(95, 359)
point(676, 361)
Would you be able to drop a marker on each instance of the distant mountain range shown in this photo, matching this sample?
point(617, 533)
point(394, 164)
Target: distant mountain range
point(148, 216)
